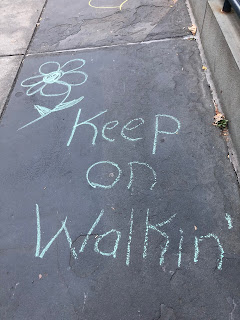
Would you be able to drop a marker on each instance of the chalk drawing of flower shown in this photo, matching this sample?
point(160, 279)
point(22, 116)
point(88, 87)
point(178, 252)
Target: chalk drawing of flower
point(52, 76)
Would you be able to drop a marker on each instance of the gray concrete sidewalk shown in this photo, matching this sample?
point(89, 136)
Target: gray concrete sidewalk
point(17, 24)
point(118, 199)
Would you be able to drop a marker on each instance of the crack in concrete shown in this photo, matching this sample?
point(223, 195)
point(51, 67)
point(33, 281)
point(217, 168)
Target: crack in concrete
point(18, 248)
point(63, 281)
point(173, 274)
point(234, 305)
point(148, 16)
point(166, 313)
point(181, 37)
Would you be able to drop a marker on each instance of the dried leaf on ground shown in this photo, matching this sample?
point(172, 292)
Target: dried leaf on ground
point(218, 117)
point(193, 29)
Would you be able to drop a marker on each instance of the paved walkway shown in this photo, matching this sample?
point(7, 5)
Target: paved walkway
point(118, 200)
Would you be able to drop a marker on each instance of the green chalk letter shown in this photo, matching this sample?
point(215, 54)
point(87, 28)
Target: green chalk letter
point(87, 122)
point(155, 228)
point(108, 126)
point(95, 184)
point(143, 164)
point(63, 228)
point(126, 127)
point(208, 236)
point(165, 132)
point(114, 251)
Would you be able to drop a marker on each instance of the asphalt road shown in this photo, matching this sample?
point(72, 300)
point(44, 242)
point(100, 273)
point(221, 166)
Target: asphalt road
point(118, 200)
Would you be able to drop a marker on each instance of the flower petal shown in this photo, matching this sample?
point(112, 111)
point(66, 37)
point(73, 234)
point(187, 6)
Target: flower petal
point(55, 89)
point(75, 78)
point(32, 81)
point(49, 67)
point(34, 89)
point(73, 65)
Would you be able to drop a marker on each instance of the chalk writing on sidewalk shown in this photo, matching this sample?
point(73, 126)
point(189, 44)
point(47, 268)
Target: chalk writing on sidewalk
point(52, 75)
point(63, 228)
point(159, 228)
point(208, 236)
point(94, 184)
point(131, 180)
point(105, 4)
point(46, 79)
point(157, 131)
point(229, 221)
point(174, 125)
point(132, 132)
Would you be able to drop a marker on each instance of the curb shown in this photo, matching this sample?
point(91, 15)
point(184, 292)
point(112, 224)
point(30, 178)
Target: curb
point(220, 36)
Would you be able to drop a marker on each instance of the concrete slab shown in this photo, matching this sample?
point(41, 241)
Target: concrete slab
point(139, 249)
point(85, 26)
point(18, 21)
point(9, 67)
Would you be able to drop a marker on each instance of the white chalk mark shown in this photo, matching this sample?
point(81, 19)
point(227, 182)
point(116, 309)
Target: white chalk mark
point(144, 164)
point(73, 250)
point(129, 129)
point(106, 127)
point(210, 235)
point(97, 185)
point(86, 122)
point(180, 249)
point(112, 253)
point(129, 239)
point(150, 226)
point(165, 132)
point(107, 7)
point(38, 232)
point(37, 253)
point(52, 240)
point(15, 289)
point(229, 221)
point(84, 300)
point(146, 237)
